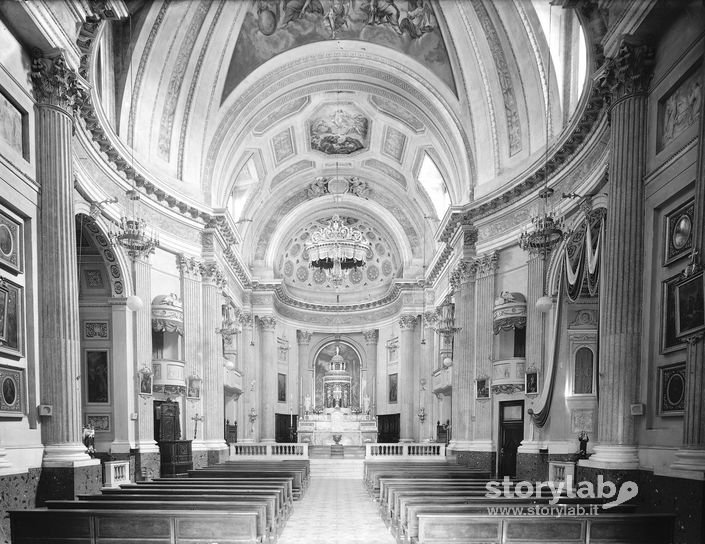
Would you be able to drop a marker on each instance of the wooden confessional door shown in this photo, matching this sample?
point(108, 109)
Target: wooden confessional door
point(388, 429)
point(167, 420)
point(511, 433)
point(285, 427)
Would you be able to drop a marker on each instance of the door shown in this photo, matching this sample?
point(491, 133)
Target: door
point(388, 429)
point(285, 427)
point(511, 433)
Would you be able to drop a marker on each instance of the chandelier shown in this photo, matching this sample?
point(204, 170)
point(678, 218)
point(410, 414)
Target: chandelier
point(133, 234)
point(336, 249)
point(545, 231)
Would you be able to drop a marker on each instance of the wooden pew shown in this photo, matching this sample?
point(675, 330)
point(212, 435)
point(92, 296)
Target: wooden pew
point(298, 475)
point(44, 526)
point(449, 528)
point(224, 482)
point(265, 531)
point(419, 473)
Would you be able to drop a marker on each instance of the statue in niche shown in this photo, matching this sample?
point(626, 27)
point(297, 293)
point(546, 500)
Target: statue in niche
point(307, 403)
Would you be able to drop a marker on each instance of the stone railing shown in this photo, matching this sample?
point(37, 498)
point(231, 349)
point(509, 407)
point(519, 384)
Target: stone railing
point(269, 450)
point(116, 473)
point(428, 450)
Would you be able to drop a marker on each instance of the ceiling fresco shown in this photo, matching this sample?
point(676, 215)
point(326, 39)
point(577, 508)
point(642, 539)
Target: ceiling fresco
point(274, 26)
point(339, 129)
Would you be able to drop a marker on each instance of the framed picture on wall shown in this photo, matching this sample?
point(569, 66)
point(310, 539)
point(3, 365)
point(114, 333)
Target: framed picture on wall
point(393, 387)
point(97, 370)
point(11, 318)
point(11, 391)
point(145, 375)
point(10, 243)
point(672, 389)
point(193, 387)
point(99, 422)
point(531, 381)
point(690, 305)
point(483, 388)
point(678, 230)
point(281, 387)
point(669, 338)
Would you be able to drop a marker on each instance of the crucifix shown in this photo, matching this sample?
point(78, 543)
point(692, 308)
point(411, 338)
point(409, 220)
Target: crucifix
point(196, 419)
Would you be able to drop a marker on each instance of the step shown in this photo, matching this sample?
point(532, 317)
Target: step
point(349, 469)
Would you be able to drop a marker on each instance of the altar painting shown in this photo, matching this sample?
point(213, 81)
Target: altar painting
point(352, 365)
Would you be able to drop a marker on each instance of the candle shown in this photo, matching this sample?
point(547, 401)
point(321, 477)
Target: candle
point(291, 418)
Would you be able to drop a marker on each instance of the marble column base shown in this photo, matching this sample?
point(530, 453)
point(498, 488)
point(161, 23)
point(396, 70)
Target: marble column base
point(68, 482)
point(612, 456)
point(690, 459)
point(479, 460)
point(147, 465)
point(218, 456)
point(67, 455)
point(532, 466)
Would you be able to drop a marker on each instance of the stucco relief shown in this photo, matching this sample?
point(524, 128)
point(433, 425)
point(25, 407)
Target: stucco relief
point(398, 112)
point(386, 169)
point(394, 143)
point(283, 145)
point(288, 109)
point(289, 171)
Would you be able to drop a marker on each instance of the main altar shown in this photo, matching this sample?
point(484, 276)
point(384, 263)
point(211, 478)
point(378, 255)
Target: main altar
point(338, 417)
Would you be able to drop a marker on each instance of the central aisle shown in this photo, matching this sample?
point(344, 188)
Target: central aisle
point(335, 510)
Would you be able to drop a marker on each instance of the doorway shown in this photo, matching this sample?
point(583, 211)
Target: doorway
point(285, 428)
point(511, 433)
point(388, 429)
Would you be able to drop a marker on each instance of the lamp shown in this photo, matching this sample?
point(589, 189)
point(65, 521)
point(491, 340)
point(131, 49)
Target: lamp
point(229, 365)
point(545, 230)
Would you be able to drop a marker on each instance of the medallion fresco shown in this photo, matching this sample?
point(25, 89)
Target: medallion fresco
point(339, 130)
point(274, 26)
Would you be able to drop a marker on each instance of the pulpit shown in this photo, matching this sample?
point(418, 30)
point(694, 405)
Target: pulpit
point(176, 455)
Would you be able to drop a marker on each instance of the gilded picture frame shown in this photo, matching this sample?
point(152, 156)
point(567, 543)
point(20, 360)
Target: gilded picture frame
point(690, 305)
point(11, 243)
point(672, 387)
point(11, 318)
point(678, 232)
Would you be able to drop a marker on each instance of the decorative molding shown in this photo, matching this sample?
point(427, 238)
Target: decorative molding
point(507, 388)
point(392, 295)
point(487, 264)
point(430, 318)
point(371, 336)
point(584, 319)
point(189, 267)
point(54, 83)
point(629, 73)
point(117, 283)
point(212, 273)
point(268, 322)
point(464, 272)
point(245, 319)
point(304, 337)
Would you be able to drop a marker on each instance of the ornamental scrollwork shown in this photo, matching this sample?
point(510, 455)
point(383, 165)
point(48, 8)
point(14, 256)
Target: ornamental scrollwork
point(507, 388)
point(54, 83)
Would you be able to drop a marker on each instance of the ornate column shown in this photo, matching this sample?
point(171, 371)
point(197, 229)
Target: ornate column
point(305, 370)
point(535, 319)
point(406, 391)
point(692, 455)
point(371, 337)
point(427, 427)
point(123, 373)
point(212, 363)
point(463, 370)
point(191, 297)
point(60, 366)
point(268, 382)
point(482, 446)
point(628, 77)
point(247, 428)
point(148, 454)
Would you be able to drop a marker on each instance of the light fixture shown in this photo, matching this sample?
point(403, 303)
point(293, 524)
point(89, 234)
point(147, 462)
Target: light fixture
point(229, 365)
point(133, 234)
point(545, 230)
point(134, 303)
point(336, 249)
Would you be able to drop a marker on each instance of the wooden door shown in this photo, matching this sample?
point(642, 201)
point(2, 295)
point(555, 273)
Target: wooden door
point(511, 433)
point(285, 427)
point(388, 429)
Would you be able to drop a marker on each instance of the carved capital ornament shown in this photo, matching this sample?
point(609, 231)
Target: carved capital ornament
point(54, 83)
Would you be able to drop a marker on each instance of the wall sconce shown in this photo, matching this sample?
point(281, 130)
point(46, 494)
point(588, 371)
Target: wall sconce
point(422, 414)
point(253, 415)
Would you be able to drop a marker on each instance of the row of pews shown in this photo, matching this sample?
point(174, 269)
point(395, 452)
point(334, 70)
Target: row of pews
point(434, 503)
point(229, 503)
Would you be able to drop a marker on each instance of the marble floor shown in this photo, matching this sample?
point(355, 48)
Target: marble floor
point(336, 511)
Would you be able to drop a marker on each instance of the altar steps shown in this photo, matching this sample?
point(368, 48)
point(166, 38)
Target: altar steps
point(325, 452)
point(337, 469)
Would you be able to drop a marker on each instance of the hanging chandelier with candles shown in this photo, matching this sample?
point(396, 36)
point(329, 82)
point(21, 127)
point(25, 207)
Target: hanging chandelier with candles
point(545, 230)
point(133, 234)
point(336, 249)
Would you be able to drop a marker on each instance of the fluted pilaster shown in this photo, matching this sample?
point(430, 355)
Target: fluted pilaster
point(142, 275)
point(303, 338)
point(191, 296)
point(463, 370)
point(60, 364)
point(123, 373)
point(268, 386)
point(406, 390)
point(692, 454)
point(535, 319)
point(484, 339)
point(212, 360)
point(371, 337)
point(622, 263)
point(248, 359)
point(427, 427)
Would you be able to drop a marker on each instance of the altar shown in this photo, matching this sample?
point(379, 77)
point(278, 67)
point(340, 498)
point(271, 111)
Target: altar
point(353, 429)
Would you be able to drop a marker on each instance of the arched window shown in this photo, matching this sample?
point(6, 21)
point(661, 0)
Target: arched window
point(584, 371)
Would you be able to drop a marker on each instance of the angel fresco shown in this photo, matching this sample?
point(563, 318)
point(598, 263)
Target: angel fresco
point(419, 19)
point(338, 15)
point(295, 9)
point(339, 132)
point(382, 12)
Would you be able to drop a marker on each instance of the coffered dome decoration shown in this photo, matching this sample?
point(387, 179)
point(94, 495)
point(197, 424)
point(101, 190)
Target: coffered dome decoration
point(381, 267)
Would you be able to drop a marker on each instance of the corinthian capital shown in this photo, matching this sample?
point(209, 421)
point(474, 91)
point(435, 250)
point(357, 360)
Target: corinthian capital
point(371, 336)
point(464, 272)
point(212, 273)
point(189, 267)
point(54, 82)
point(407, 321)
point(269, 322)
point(304, 337)
point(629, 72)
point(487, 264)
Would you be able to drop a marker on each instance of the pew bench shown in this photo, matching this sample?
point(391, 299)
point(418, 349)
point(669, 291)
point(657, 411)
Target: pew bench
point(450, 528)
point(298, 476)
point(44, 526)
point(227, 482)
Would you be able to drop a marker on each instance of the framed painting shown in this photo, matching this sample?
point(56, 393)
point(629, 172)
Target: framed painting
point(145, 381)
point(483, 388)
point(99, 422)
point(672, 389)
point(678, 232)
point(281, 387)
point(690, 305)
point(531, 382)
point(11, 318)
point(393, 387)
point(97, 370)
point(10, 243)
point(669, 338)
point(11, 391)
point(193, 387)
